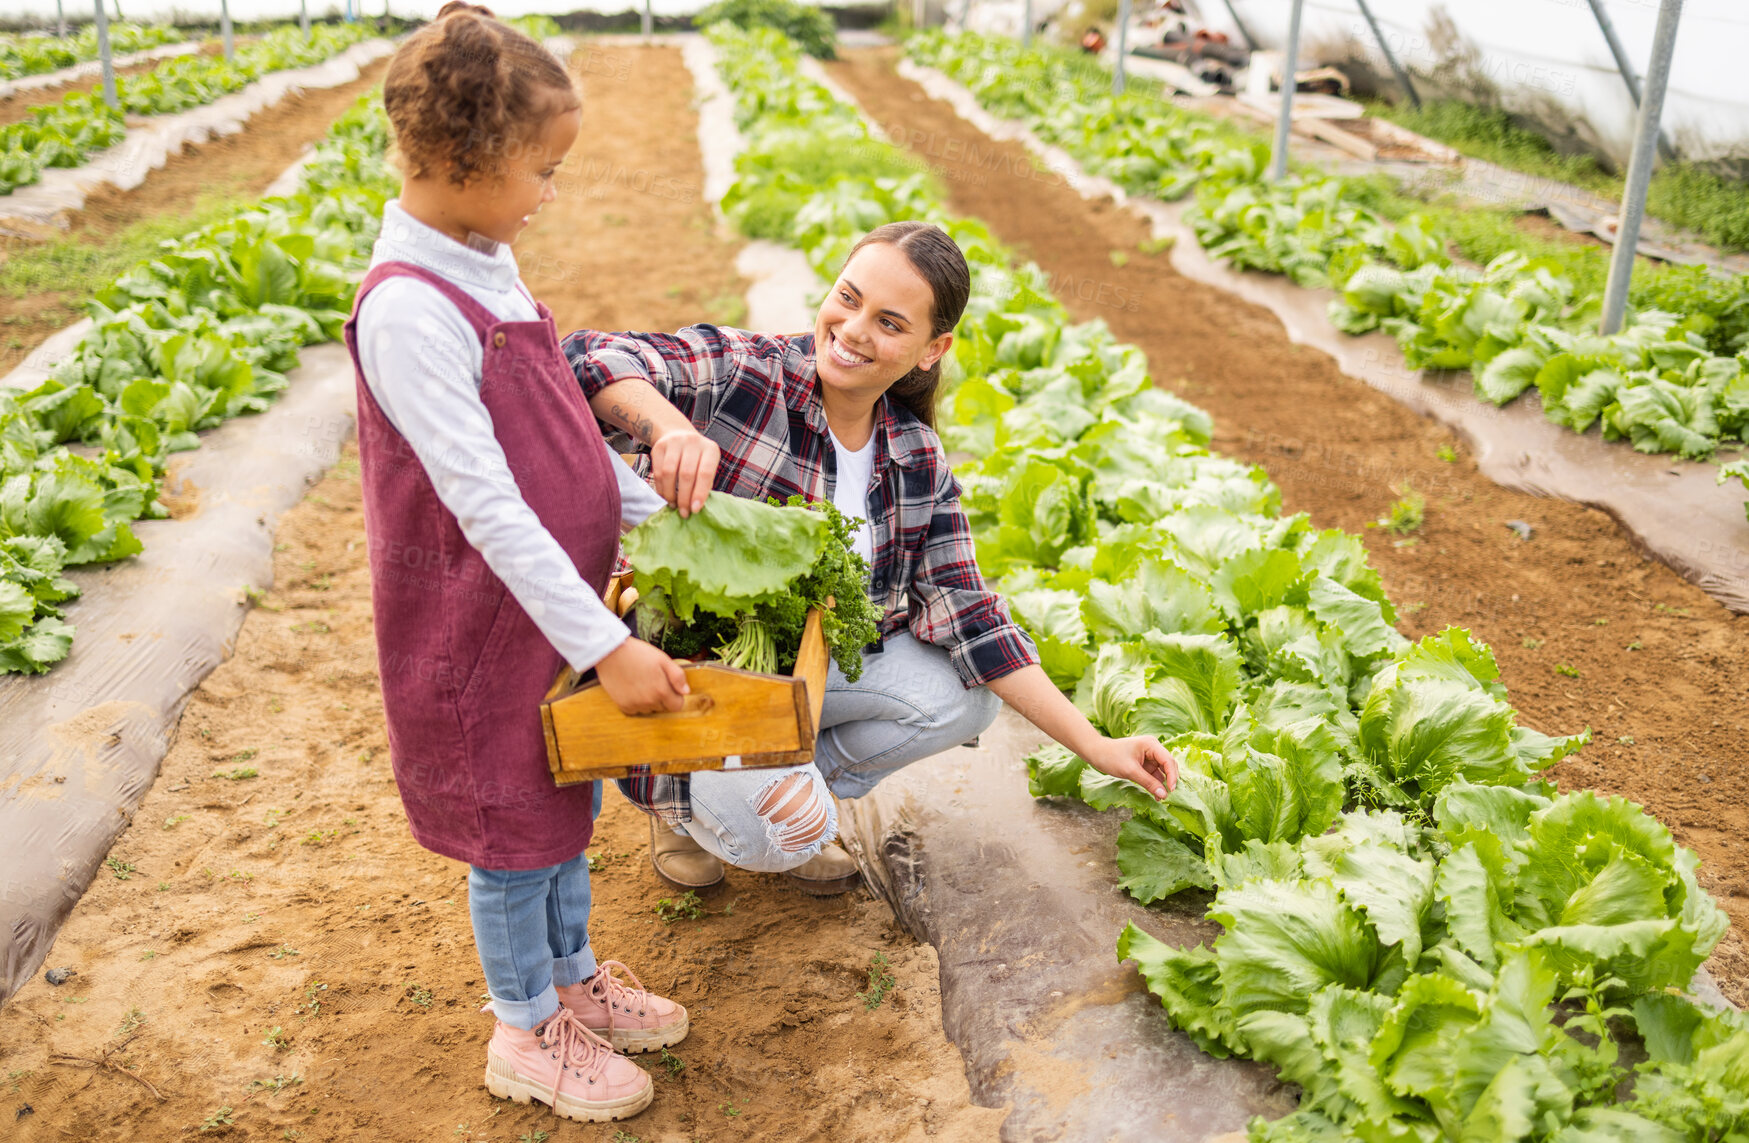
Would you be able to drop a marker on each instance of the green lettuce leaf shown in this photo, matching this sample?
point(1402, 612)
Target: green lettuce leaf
point(731, 552)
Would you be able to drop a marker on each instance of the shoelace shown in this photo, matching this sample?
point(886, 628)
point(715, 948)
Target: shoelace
point(572, 1046)
point(619, 997)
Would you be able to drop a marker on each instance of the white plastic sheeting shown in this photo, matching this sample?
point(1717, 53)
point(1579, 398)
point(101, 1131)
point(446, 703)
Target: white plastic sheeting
point(91, 69)
point(780, 281)
point(149, 146)
point(1548, 59)
point(79, 747)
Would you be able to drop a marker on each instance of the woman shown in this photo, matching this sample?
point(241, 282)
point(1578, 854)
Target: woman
point(845, 413)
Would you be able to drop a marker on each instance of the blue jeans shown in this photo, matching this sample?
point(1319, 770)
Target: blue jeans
point(909, 704)
point(531, 927)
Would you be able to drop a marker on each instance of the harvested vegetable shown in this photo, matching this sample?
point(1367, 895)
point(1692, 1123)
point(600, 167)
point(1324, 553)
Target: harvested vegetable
point(736, 580)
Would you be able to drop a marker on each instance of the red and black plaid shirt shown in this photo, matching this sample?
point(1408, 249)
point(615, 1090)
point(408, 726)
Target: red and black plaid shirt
point(756, 395)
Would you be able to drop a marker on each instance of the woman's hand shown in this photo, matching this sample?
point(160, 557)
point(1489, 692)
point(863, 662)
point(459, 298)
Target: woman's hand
point(683, 465)
point(1141, 760)
point(640, 679)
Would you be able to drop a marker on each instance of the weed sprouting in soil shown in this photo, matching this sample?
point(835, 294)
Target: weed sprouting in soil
point(223, 1117)
point(1406, 514)
point(880, 982)
point(687, 907)
point(123, 870)
point(672, 1062)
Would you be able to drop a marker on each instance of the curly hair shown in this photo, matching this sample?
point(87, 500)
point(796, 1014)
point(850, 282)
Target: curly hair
point(465, 88)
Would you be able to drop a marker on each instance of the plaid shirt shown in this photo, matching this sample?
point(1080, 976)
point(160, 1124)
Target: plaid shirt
point(757, 396)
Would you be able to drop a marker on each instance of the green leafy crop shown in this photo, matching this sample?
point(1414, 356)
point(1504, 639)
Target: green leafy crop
point(1417, 931)
point(203, 332)
point(806, 24)
point(65, 133)
point(1674, 380)
point(34, 55)
point(737, 579)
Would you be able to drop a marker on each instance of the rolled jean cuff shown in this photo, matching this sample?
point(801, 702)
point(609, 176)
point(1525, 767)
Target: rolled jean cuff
point(574, 969)
point(528, 1014)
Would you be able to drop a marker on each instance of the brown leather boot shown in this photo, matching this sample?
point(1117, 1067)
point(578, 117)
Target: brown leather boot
point(827, 874)
point(680, 862)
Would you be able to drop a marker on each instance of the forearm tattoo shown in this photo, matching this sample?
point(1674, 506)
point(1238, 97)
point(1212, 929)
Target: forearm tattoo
point(639, 425)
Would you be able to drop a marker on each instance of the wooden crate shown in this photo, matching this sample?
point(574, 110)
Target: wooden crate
point(732, 719)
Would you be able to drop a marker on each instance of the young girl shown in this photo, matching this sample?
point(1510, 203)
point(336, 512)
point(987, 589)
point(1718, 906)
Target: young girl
point(492, 511)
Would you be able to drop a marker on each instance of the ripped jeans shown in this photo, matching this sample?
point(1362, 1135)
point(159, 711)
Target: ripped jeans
point(908, 704)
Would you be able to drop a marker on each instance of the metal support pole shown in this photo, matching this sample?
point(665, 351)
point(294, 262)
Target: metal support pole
point(60, 21)
point(225, 30)
point(1250, 40)
point(1026, 24)
point(103, 54)
point(1123, 45)
point(965, 15)
point(304, 17)
point(1390, 57)
point(1633, 199)
point(1290, 62)
point(348, 16)
point(1626, 68)
point(648, 20)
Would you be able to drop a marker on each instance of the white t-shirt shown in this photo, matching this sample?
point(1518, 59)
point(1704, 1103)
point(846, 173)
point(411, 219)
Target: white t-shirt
point(850, 492)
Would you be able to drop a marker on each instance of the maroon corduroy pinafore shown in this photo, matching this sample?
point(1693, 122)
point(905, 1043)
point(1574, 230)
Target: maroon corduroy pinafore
point(463, 667)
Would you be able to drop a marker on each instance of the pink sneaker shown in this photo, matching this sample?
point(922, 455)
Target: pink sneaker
point(565, 1065)
point(632, 1018)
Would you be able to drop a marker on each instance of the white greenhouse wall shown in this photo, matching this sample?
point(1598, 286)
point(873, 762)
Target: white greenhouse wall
point(1548, 58)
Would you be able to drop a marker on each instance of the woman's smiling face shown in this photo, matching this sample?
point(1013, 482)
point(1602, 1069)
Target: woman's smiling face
point(875, 325)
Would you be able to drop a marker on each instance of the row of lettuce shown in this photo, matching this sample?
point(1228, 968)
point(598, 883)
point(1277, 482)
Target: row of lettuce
point(1428, 940)
point(1675, 380)
point(202, 332)
point(66, 133)
point(22, 55)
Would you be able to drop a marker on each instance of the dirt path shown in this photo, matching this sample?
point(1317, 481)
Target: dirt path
point(289, 964)
point(1587, 631)
point(236, 166)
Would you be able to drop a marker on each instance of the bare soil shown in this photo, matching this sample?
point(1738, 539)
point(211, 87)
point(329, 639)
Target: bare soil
point(1588, 631)
point(271, 956)
point(233, 166)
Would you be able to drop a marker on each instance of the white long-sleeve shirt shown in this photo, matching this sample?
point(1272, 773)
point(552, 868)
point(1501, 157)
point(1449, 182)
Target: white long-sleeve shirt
point(422, 361)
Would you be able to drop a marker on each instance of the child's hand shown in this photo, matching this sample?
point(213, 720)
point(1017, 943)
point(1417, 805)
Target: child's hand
point(683, 463)
point(640, 679)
